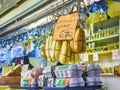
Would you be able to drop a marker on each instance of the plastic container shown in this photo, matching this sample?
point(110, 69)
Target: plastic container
point(91, 81)
point(79, 70)
point(50, 82)
point(60, 73)
point(62, 70)
point(72, 71)
point(59, 82)
point(91, 71)
point(40, 81)
point(48, 72)
point(74, 82)
point(97, 70)
point(98, 81)
point(57, 71)
point(65, 74)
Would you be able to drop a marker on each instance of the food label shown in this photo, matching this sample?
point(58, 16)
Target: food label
point(85, 57)
point(115, 54)
point(95, 57)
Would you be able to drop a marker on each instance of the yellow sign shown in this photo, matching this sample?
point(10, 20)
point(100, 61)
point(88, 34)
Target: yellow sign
point(65, 27)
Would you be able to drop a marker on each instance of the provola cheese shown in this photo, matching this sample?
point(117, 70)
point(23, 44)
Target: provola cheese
point(55, 50)
point(48, 47)
point(65, 53)
point(78, 44)
point(75, 58)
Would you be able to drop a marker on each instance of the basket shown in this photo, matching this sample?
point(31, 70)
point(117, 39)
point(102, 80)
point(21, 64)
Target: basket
point(10, 80)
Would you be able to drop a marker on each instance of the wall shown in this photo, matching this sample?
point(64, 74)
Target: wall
point(17, 11)
point(111, 82)
point(113, 11)
point(35, 62)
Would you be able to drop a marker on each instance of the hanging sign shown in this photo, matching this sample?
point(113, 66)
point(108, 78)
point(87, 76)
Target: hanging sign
point(85, 57)
point(95, 57)
point(65, 27)
point(115, 54)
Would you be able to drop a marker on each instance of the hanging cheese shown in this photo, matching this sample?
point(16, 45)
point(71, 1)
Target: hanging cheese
point(78, 43)
point(42, 47)
point(48, 47)
point(65, 53)
point(55, 50)
point(75, 58)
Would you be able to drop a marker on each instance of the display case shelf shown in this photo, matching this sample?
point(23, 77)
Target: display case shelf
point(108, 38)
point(74, 88)
point(26, 87)
point(58, 88)
point(107, 74)
point(102, 52)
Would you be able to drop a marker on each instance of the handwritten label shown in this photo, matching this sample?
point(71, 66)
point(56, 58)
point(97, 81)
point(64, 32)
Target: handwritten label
point(115, 54)
point(95, 57)
point(65, 27)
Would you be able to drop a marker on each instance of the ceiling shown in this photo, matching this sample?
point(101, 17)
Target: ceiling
point(6, 5)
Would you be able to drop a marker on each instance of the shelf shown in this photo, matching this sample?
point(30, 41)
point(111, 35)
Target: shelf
point(102, 52)
point(104, 38)
point(107, 74)
point(74, 88)
point(25, 87)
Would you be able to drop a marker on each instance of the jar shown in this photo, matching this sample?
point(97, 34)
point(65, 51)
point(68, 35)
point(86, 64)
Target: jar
point(99, 35)
point(102, 34)
point(98, 49)
point(105, 48)
point(109, 47)
point(96, 35)
point(89, 45)
point(93, 45)
point(105, 33)
point(116, 45)
point(108, 32)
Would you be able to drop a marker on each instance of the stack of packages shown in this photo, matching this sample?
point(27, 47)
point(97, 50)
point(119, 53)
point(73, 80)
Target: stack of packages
point(49, 76)
point(61, 76)
point(30, 77)
point(69, 75)
point(75, 73)
point(93, 75)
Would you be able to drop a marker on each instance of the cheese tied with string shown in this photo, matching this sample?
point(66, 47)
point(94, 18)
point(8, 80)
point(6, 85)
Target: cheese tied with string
point(78, 44)
point(48, 47)
point(65, 52)
point(55, 50)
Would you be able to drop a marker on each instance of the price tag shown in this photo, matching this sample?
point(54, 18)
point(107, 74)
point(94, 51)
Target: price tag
point(95, 57)
point(115, 54)
point(65, 27)
point(85, 57)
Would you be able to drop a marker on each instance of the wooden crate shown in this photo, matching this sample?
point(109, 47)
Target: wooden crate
point(10, 80)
